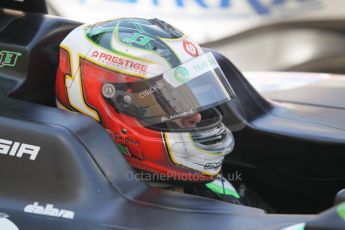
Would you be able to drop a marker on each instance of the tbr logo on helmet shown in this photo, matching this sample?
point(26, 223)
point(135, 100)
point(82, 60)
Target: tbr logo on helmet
point(181, 74)
point(137, 38)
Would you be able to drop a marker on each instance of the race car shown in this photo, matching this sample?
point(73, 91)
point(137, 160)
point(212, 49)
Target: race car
point(61, 170)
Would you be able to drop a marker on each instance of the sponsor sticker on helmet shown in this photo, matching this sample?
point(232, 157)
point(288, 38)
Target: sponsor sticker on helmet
point(181, 74)
point(120, 62)
point(191, 70)
point(151, 90)
point(177, 115)
point(213, 165)
point(190, 48)
point(137, 38)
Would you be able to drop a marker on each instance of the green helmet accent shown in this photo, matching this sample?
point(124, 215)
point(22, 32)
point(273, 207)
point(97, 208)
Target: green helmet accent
point(300, 226)
point(341, 211)
point(226, 190)
point(142, 34)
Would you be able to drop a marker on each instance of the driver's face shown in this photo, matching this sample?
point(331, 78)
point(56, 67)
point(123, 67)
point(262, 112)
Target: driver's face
point(189, 121)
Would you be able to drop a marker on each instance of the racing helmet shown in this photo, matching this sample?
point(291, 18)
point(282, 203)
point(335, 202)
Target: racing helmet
point(154, 90)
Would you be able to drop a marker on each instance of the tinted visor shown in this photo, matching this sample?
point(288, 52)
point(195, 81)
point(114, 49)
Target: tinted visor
point(192, 87)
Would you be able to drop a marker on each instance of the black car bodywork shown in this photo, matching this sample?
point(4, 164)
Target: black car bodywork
point(291, 154)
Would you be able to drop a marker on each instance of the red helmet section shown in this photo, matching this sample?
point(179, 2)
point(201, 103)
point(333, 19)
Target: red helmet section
point(144, 148)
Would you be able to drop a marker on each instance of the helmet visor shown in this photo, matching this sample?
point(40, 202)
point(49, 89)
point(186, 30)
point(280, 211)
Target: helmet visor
point(194, 86)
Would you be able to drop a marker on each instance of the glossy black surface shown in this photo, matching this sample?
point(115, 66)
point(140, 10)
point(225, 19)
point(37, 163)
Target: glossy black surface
point(80, 169)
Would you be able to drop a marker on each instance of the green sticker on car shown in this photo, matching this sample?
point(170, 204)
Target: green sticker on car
point(9, 58)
